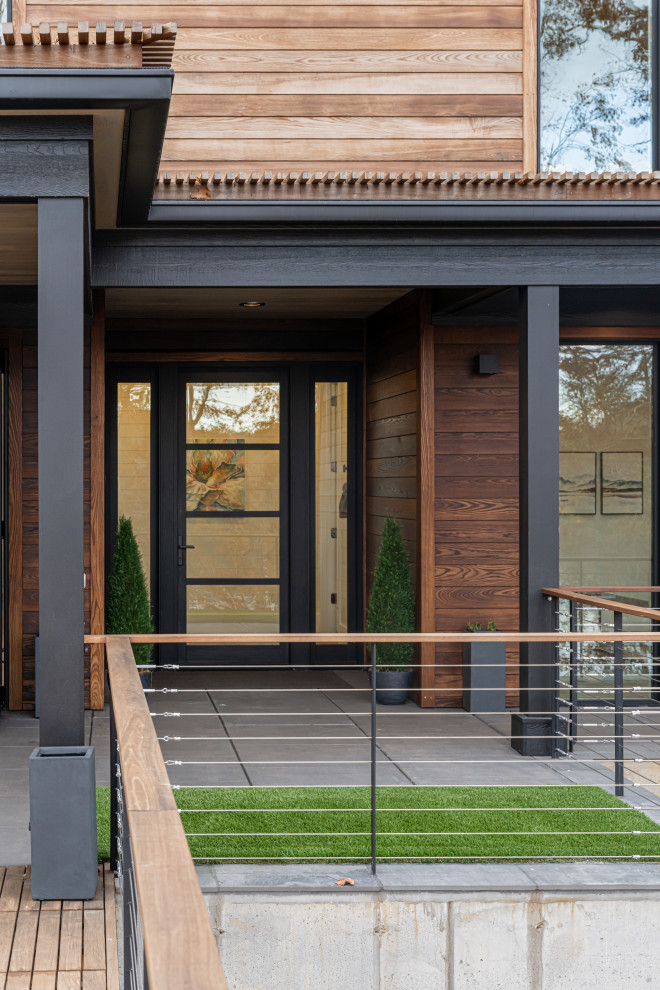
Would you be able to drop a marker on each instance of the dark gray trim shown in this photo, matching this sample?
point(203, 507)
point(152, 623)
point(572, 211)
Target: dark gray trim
point(61, 446)
point(83, 89)
point(507, 212)
point(352, 255)
point(539, 501)
point(143, 93)
point(44, 156)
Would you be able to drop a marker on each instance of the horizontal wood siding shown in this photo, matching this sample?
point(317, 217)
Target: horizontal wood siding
point(391, 86)
point(391, 441)
point(476, 494)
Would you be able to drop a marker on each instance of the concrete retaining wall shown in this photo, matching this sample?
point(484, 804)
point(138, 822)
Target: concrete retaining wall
point(301, 932)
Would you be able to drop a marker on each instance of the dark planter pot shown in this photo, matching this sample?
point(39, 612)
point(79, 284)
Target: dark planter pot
point(393, 686)
point(484, 677)
point(145, 679)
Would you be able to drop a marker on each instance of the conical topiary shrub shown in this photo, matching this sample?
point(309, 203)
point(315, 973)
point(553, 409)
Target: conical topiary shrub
point(128, 609)
point(392, 602)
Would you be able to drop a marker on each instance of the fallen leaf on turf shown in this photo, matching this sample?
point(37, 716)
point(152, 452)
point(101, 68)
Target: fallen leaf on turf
point(345, 881)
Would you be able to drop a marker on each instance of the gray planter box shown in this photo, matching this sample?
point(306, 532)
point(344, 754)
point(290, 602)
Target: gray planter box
point(63, 823)
point(484, 677)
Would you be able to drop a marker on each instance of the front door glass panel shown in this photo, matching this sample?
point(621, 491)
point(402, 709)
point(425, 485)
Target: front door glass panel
point(231, 545)
point(134, 463)
point(247, 412)
point(331, 505)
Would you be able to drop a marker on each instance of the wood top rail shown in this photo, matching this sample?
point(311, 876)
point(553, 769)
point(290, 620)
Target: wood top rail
point(180, 948)
point(576, 595)
point(270, 639)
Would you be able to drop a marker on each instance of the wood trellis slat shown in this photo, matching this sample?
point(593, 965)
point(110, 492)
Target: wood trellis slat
point(62, 45)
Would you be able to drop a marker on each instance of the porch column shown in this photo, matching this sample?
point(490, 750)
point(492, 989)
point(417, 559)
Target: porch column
point(60, 438)
point(539, 510)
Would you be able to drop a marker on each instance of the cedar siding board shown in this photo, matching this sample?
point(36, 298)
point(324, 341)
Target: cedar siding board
point(391, 437)
point(476, 495)
point(398, 86)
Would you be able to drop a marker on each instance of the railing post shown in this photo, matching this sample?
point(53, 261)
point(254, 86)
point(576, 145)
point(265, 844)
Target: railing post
point(114, 803)
point(555, 696)
point(373, 759)
point(573, 654)
point(618, 708)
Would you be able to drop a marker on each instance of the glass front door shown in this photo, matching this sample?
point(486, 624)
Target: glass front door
point(244, 489)
point(232, 507)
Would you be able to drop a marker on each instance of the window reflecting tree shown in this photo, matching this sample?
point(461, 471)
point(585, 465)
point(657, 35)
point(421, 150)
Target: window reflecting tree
point(595, 84)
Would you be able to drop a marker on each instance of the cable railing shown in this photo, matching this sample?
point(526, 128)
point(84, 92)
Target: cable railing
point(605, 676)
point(307, 765)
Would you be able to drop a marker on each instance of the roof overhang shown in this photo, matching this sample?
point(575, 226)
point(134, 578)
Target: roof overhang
point(140, 98)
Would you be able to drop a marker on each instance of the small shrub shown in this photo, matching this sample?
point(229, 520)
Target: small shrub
point(392, 602)
point(128, 609)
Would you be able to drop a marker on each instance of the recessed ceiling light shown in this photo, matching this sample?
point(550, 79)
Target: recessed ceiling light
point(252, 304)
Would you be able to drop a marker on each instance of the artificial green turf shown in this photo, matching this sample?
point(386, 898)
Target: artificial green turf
point(342, 810)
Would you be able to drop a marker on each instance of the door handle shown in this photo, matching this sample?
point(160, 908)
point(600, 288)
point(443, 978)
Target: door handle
point(180, 548)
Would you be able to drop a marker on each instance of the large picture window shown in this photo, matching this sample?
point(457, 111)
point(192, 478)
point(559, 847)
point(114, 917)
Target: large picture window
point(595, 85)
point(606, 497)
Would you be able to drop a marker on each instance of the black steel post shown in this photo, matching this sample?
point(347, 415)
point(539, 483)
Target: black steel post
point(114, 783)
point(618, 708)
point(373, 759)
point(573, 647)
point(539, 511)
point(556, 694)
point(61, 252)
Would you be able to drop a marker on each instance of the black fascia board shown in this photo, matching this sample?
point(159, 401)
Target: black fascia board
point(144, 95)
point(394, 212)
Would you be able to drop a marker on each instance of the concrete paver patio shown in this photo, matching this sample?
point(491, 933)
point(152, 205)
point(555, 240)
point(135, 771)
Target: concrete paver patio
point(297, 727)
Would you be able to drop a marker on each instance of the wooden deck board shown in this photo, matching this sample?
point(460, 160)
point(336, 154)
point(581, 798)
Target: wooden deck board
point(55, 945)
point(43, 981)
point(48, 942)
point(71, 935)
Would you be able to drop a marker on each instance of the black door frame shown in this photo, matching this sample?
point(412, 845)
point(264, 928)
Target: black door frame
point(297, 574)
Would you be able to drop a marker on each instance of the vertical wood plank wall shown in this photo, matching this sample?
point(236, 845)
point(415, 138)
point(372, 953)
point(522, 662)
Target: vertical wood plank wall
point(384, 86)
point(476, 494)
point(23, 520)
point(391, 443)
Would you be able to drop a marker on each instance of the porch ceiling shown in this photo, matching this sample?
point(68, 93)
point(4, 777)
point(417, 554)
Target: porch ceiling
point(209, 303)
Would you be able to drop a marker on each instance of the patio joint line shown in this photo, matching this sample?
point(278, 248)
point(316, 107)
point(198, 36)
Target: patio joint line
point(360, 729)
point(229, 737)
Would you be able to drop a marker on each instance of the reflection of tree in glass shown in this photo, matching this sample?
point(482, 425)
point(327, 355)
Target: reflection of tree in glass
point(595, 84)
point(604, 386)
point(605, 403)
point(232, 408)
point(138, 396)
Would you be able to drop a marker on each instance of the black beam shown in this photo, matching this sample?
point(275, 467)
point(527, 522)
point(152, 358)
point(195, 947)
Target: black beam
point(430, 255)
point(61, 443)
point(44, 156)
point(539, 499)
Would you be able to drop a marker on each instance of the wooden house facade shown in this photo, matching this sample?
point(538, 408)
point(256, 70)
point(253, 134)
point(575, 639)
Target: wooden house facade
point(292, 232)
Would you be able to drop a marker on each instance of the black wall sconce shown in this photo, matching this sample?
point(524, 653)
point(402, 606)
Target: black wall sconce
point(486, 364)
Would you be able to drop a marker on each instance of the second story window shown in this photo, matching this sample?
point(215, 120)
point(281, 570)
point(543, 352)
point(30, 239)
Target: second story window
point(595, 85)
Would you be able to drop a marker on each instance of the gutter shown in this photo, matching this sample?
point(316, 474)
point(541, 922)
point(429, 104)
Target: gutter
point(394, 212)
